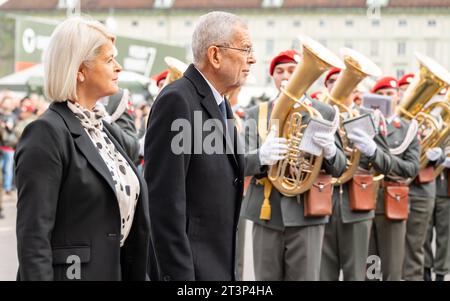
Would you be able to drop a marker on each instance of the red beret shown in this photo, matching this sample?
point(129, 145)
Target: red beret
point(316, 95)
point(330, 73)
point(27, 108)
point(161, 76)
point(385, 83)
point(288, 56)
point(406, 79)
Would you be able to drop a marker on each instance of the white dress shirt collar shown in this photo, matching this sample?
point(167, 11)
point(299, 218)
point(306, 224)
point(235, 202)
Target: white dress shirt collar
point(219, 98)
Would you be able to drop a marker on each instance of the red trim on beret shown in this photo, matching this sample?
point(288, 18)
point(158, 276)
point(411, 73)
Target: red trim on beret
point(161, 76)
point(316, 95)
point(406, 79)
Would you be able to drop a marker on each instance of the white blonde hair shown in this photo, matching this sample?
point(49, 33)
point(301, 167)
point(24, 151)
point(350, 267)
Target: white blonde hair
point(74, 42)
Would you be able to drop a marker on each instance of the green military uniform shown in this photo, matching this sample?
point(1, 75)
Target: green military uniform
point(440, 221)
point(346, 240)
point(388, 236)
point(421, 202)
point(288, 246)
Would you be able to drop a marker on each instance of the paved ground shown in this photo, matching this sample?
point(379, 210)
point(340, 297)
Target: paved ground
point(8, 255)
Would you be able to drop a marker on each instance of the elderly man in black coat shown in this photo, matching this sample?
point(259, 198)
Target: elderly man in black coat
point(195, 187)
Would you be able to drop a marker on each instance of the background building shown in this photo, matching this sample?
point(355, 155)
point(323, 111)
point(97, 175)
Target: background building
point(389, 35)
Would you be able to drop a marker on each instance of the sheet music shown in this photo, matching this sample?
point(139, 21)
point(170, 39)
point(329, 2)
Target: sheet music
point(314, 126)
point(362, 122)
point(375, 101)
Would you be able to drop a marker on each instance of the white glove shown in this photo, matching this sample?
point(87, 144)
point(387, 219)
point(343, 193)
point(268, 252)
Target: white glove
point(433, 154)
point(273, 149)
point(326, 142)
point(446, 162)
point(363, 142)
point(447, 150)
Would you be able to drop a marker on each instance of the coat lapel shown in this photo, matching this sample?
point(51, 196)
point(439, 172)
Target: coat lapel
point(210, 105)
point(83, 142)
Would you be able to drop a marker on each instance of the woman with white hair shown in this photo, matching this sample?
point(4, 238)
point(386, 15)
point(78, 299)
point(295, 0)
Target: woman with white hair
point(82, 211)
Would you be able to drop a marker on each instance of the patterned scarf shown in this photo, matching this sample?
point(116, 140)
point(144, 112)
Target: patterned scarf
point(125, 181)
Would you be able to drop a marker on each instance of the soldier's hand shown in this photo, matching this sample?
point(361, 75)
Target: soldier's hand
point(363, 142)
point(446, 162)
point(273, 149)
point(433, 154)
point(326, 142)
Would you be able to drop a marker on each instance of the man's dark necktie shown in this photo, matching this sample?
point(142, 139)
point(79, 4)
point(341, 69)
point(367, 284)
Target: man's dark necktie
point(223, 109)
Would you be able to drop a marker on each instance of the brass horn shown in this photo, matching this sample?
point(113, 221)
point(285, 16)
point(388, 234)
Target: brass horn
point(298, 171)
point(176, 70)
point(357, 68)
point(431, 78)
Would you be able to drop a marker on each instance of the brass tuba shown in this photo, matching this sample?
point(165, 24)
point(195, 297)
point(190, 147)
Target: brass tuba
point(445, 134)
point(176, 70)
point(298, 171)
point(357, 68)
point(431, 79)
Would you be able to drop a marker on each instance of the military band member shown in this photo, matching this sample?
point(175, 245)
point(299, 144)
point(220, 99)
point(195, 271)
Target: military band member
point(422, 192)
point(346, 240)
point(287, 246)
point(440, 221)
point(331, 78)
point(388, 235)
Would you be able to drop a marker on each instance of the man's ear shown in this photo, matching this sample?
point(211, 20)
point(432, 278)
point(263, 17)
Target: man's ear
point(214, 57)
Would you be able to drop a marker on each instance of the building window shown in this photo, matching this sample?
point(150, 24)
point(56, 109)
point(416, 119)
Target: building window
point(297, 23)
point(296, 44)
point(323, 42)
point(163, 3)
point(270, 23)
point(401, 48)
point(62, 4)
point(188, 23)
point(270, 46)
point(402, 23)
point(431, 48)
point(374, 47)
point(321, 23)
point(272, 3)
point(135, 23)
point(161, 23)
point(375, 23)
point(431, 23)
point(348, 44)
point(349, 23)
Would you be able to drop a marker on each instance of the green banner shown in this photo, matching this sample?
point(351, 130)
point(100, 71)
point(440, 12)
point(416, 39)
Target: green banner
point(137, 55)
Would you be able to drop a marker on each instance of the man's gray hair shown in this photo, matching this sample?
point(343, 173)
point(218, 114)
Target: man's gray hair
point(214, 28)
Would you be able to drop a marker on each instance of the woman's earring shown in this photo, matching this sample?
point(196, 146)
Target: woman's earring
point(81, 78)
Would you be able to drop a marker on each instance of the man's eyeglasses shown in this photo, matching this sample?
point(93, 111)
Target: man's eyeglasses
point(248, 51)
